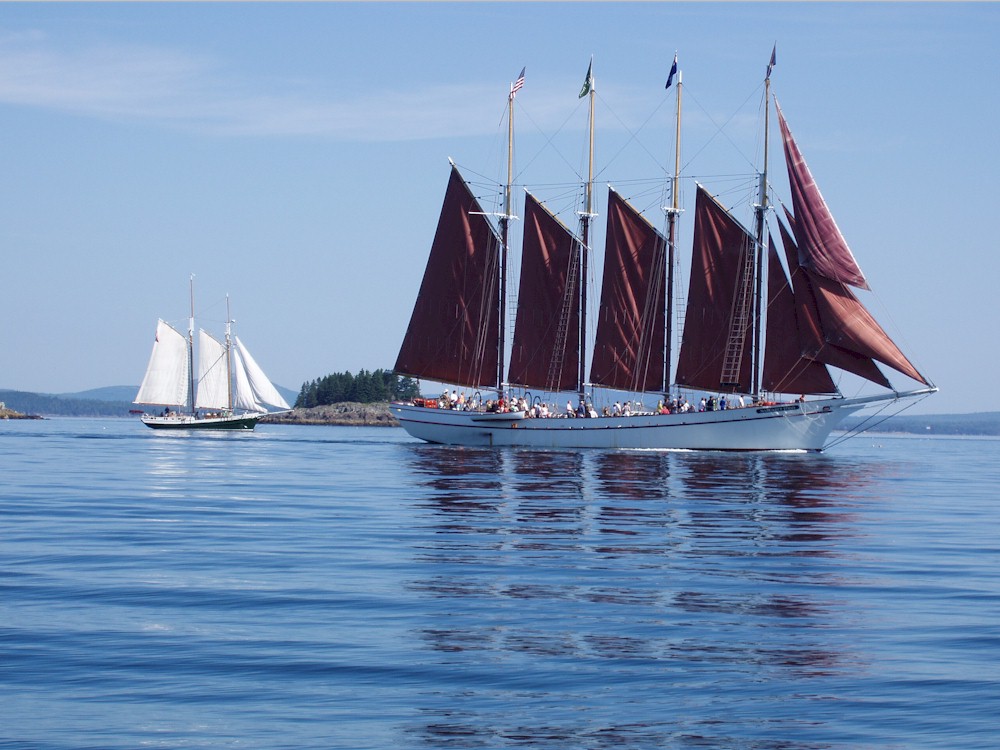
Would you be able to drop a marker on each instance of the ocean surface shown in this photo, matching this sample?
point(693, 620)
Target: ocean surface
point(330, 587)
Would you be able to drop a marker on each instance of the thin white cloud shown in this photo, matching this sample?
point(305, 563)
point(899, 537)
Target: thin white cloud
point(172, 89)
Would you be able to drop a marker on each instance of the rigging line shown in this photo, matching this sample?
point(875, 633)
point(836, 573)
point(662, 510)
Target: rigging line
point(548, 141)
point(719, 128)
point(864, 426)
point(633, 136)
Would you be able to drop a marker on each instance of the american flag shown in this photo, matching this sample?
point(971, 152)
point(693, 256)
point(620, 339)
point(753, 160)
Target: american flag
point(514, 87)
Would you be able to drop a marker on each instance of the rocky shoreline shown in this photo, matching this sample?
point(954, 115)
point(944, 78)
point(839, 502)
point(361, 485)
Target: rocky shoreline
point(347, 414)
point(6, 413)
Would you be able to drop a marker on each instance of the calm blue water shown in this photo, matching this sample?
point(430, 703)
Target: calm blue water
point(322, 587)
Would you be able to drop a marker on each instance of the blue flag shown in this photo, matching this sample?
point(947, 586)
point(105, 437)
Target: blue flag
point(673, 72)
point(771, 64)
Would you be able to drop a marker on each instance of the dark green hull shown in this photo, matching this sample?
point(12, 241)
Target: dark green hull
point(243, 422)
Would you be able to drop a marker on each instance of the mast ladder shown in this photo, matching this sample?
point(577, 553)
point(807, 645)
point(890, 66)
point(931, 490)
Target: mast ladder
point(562, 331)
point(740, 321)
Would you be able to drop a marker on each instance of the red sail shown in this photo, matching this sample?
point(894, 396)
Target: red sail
point(848, 325)
point(822, 248)
point(785, 369)
point(629, 347)
point(720, 244)
point(453, 336)
point(812, 335)
point(546, 346)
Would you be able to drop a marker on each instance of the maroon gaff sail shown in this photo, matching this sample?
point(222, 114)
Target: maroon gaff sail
point(719, 248)
point(822, 247)
point(846, 335)
point(816, 326)
point(546, 346)
point(453, 335)
point(629, 345)
point(785, 369)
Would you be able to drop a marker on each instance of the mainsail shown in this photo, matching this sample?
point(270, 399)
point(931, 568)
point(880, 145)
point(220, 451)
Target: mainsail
point(213, 373)
point(453, 333)
point(168, 376)
point(721, 245)
point(546, 331)
point(629, 344)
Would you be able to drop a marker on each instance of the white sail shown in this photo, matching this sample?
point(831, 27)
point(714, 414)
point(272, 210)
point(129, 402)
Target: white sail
point(243, 398)
point(167, 379)
point(263, 392)
point(213, 373)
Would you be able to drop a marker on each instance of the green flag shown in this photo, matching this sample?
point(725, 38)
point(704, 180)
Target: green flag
point(589, 83)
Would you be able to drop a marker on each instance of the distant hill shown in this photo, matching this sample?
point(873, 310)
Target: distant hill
point(108, 393)
point(49, 405)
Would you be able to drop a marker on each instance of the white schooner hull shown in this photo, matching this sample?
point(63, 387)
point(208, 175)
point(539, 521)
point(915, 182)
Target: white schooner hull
point(797, 426)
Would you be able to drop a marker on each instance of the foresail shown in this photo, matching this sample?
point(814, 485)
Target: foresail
point(168, 379)
point(822, 248)
point(785, 369)
point(212, 385)
point(545, 352)
point(243, 395)
point(843, 333)
point(629, 345)
point(720, 245)
point(264, 392)
point(453, 334)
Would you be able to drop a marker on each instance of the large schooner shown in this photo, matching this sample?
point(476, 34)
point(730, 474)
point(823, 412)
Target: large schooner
point(228, 391)
point(754, 337)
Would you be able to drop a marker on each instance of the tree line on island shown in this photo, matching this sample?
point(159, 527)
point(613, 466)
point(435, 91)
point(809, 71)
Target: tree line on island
point(364, 388)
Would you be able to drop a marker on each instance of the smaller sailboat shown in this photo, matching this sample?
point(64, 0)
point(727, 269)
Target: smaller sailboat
point(228, 391)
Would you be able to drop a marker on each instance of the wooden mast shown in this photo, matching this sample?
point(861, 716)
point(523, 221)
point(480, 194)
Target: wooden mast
point(672, 214)
point(585, 218)
point(229, 356)
point(760, 244)
point(505, 242)
point(191, 348)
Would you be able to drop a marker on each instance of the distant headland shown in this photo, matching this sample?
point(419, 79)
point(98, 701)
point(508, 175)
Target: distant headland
point(6, 413)
point(344, 414)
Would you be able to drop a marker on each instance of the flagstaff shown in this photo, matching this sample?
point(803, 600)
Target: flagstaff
point(588, 90)
point(672, 214)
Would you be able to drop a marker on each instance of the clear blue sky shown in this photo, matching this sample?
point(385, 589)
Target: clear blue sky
point(295, 156)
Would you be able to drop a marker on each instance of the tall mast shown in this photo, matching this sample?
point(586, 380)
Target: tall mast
point(505, 236)
point(672, 214)
point(585, 236)
point(191, 348)
point(229, 355)
point(760, 244)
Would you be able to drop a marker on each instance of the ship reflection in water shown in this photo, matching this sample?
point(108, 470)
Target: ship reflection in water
point(639, 598)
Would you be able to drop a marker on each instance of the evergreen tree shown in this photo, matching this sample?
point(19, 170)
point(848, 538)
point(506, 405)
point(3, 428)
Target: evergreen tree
point(365, 387)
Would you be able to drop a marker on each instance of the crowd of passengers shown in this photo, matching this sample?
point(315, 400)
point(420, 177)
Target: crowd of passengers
point(539, 410)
